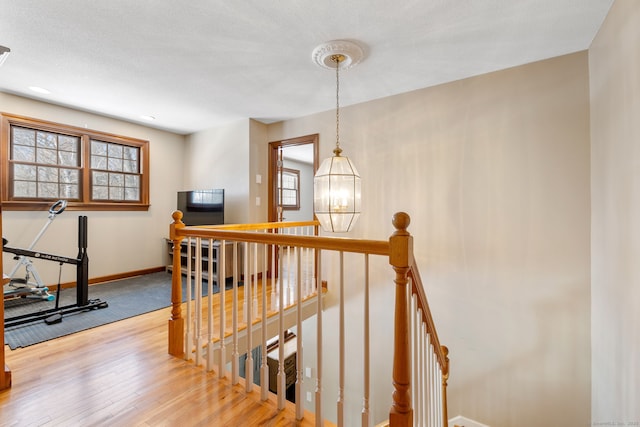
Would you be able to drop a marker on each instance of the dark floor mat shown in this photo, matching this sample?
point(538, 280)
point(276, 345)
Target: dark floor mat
point(125, 298)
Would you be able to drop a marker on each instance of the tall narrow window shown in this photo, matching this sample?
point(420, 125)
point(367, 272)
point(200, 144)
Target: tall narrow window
point(289, 189)
point(44, 161)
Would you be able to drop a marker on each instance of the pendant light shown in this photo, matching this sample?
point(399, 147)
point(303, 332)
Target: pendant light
point(336, 185)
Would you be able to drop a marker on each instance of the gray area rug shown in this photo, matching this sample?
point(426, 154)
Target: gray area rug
point(125, 298)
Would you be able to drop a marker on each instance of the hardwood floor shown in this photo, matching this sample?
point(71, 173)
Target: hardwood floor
point(121, 375)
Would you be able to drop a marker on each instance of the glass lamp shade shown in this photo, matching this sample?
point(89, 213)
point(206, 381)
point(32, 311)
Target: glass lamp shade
point(337, 194)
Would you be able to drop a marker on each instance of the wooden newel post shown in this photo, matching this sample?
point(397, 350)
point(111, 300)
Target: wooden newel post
point(445, 379)
point(401, 244)
point(5, 372)
point(176, 322)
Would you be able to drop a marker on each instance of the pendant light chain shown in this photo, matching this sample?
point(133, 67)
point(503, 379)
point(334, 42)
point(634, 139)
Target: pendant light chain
point(337, 59)
point(337, 104)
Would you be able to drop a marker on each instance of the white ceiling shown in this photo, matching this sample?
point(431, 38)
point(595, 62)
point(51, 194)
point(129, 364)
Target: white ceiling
point(197, 64)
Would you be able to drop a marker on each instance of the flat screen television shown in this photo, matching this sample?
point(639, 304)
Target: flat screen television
point(202, 207)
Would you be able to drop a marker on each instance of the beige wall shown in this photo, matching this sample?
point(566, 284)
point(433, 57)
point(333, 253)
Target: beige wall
point(118, 242)
point(494, 172)
point(614, 63)
point(219, 158)
point(258, 165)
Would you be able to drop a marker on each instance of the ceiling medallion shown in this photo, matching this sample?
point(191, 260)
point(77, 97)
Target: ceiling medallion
point(352, 53)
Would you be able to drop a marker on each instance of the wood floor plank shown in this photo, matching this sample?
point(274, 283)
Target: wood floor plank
point(121, 375)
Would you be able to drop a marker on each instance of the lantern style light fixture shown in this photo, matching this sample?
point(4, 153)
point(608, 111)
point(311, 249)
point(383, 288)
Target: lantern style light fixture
point(336, 186)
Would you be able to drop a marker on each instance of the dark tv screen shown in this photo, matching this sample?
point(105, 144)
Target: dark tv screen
point(202, 207)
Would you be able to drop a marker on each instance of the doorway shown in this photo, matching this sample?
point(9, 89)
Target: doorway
point(292, 165)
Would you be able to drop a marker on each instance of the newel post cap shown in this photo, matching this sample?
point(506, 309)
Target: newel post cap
point(401, 242)
point(176, 224)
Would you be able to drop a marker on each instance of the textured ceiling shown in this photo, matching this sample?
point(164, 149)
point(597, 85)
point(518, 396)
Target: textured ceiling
point(198, 64)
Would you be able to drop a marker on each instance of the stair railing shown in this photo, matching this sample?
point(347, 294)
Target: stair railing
point(430, 359)
point(279, 266)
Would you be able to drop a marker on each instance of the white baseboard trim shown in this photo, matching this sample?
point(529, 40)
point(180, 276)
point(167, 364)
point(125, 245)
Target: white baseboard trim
point(461, 421)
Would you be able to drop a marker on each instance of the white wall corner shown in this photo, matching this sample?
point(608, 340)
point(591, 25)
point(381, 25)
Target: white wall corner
point(461, 421)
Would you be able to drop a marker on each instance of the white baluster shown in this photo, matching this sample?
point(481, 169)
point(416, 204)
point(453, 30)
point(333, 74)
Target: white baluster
point(308, 263)
point(299, 355)
point(281, 373)
point(416, 392)
point(255, 281)
point(198, 302)
point(428, 382)
point(210, 307)
point(367, 369)
point(341, 349)
point(432, 380)
point(248, 366)
point(235, 375)
point(274, 297)
point(289, 295)
point(264, 367)
point(421, 370)
point(188, 318)
point(438, 407)
point(318, 390)
point(222, 284)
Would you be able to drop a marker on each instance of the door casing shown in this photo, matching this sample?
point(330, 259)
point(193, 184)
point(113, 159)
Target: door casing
point(274, 147)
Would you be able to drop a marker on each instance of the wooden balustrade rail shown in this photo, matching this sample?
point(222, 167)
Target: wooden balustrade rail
point(418, 290)
point(441, 352)
point(237, 233)
point(399, 250)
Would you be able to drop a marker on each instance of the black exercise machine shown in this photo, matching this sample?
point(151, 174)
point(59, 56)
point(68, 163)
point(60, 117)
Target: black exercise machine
point(83, 303)
point(31, 286)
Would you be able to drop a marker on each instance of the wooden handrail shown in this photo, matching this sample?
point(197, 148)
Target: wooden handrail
point(237, 233)
point(418, 290)
point(261, 225)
